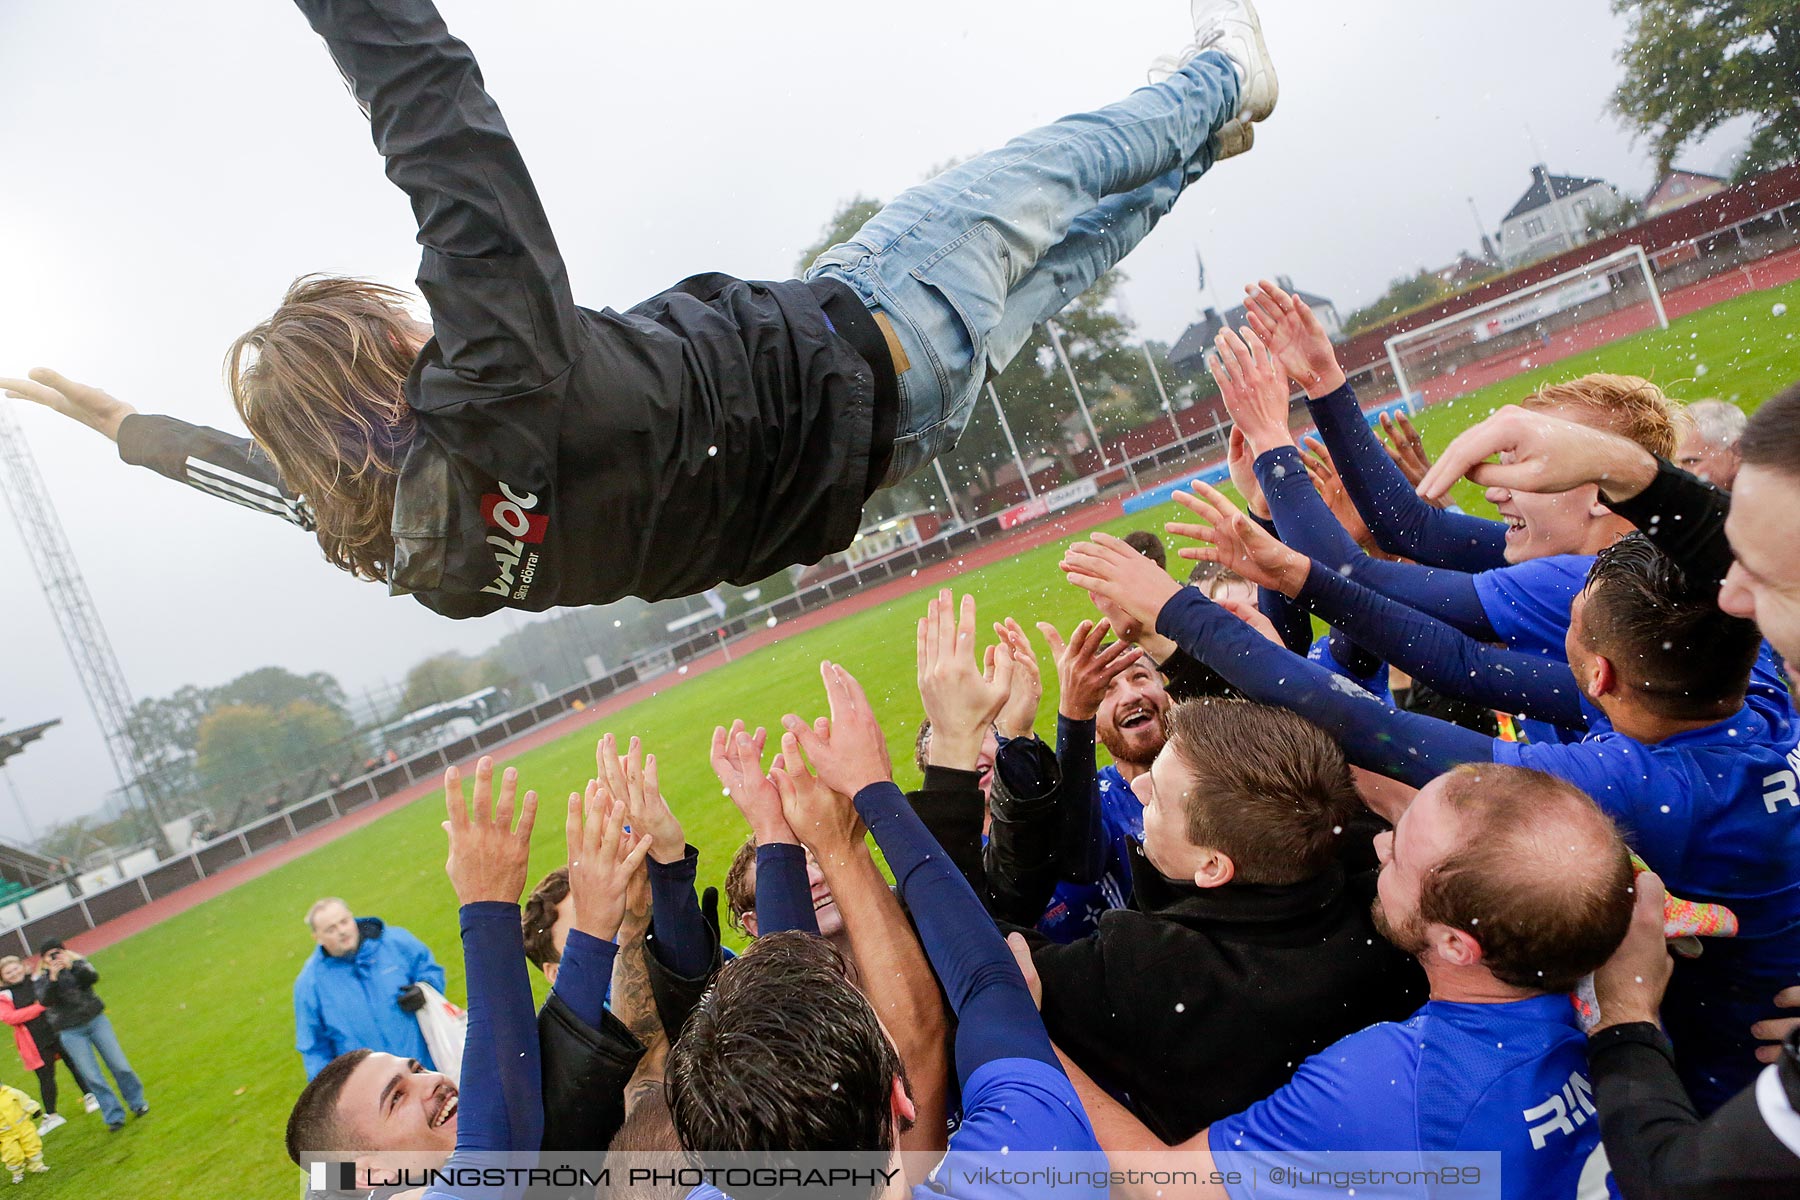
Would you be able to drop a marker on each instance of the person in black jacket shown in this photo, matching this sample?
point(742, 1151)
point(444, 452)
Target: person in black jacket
point(524, 452)
point(1247, 946)
point(65, 987)
point(1656, 1143)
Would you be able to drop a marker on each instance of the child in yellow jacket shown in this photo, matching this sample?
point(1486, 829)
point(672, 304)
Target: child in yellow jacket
point(20, 1148)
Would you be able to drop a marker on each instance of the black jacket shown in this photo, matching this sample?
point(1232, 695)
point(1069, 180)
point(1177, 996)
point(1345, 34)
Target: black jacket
point(567, 456)
point(1685, 517)
point(70, 997)
point(1014, 872)
point(1658, 1146)
point(1196, 1003)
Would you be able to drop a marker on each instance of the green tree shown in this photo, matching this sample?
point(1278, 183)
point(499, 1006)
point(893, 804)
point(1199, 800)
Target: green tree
point(249, 752)
point(277, 687)
point(439, 678)
point(1403, 295)
point(1692, 65)
point(851, 215)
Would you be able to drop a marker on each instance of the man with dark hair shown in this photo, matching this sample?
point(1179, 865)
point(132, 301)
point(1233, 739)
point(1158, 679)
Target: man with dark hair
point(545, 922)
point(1507, 886)
point(1245, 948)
point(1697, 767)
point(65, 987)
point(818, 1072)
point(1148, 545)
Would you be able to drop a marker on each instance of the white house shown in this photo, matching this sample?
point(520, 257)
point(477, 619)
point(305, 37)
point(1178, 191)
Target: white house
point(1552, 215)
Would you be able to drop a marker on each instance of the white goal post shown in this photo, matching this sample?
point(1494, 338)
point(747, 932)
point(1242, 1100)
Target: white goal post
point(1498, 327)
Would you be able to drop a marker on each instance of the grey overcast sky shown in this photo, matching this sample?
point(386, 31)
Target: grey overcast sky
point(170, 167)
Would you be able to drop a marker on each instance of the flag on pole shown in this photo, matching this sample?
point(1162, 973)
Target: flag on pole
point(1199, 270)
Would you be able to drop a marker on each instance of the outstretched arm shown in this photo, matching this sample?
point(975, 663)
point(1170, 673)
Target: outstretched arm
point(219, 464)
point(996, 1018)
point(1400, 745)
point(1399, 520)
point(1683, 515)
point(491, 273)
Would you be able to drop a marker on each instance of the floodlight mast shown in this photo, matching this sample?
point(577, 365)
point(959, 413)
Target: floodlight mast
point(77, 620)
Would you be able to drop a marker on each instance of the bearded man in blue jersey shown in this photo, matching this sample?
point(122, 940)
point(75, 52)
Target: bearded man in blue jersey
point(1508, 886)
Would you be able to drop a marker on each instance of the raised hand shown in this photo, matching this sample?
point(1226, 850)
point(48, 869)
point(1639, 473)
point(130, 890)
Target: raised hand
point(849, 750)
point(1027, 691)
point(487, 855)
point(603, 859)
point(824, 820)
point(632, 779)
point(1252, 616)
point(1233, 540)
point(1540, 453)
point(1294, 335)
point(77, 401)
point(1104, 567)
point(737, 761)
point(1407, 449)
point(961, 699)
point(1254, 387)
point(1242, 464)
point(1086, 665)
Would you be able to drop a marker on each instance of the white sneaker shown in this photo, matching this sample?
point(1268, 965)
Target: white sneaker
point(1233, 28)
point(89, 1103)
point(53, 1121)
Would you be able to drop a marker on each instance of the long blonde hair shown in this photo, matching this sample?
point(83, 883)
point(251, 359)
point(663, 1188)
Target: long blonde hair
point(320, 386)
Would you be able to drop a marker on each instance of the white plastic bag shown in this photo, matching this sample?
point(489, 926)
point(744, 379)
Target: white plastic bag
point(444, 1026)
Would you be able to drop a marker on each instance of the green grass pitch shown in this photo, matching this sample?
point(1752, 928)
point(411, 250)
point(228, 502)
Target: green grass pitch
point(203, 1002)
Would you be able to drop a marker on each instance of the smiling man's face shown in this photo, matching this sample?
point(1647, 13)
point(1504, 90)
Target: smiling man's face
point(391, 1103)
point(1130, 719)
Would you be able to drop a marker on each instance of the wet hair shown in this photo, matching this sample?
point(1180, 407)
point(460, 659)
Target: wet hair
point(313, 1127)
point(1772, 437)
point(1674, 649)
point(1540, 878)
point(1627, 405)
point(1272, 792)
point(783, 1054)
point(537, 920)
point(320, 384)
point(740, 885)
point(1148, 545)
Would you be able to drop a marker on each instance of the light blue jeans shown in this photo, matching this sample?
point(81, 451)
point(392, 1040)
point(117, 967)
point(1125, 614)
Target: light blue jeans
point(89, 1043)
point(967, 264)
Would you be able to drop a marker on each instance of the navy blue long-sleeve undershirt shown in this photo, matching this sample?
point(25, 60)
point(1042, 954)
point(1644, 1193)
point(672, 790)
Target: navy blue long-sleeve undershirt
point(584, 975)
point(1400, 522)
point(1401, 745)
point(1081, 841)
point(995, 1017)
point(501, 1105)
point(1306, 523)
point(1453, 663)
point(783, 893)
point(678, 934)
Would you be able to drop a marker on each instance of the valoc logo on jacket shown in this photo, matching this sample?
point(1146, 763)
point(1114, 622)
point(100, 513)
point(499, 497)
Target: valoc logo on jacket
point(510, 513)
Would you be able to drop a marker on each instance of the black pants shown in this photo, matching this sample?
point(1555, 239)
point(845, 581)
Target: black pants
point(46, 1075)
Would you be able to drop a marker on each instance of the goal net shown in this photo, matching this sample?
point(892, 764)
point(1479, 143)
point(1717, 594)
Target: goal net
point(1566, 314)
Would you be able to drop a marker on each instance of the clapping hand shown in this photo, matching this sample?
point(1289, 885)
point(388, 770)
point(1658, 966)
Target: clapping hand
point(1237, 542)
point(632, 778)
point(487, 855)
point(1330, 485)
point(1087, 665)
point(962, 700)
point(1027, 692)
point(1407, 449)
point(848, 750)
point(1287, 325)
point(603, 858)
point(1254, 388)
point(737, 761)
